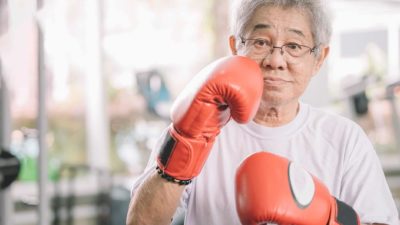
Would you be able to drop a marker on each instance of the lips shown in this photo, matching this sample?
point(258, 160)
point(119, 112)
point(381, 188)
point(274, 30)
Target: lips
point(274, 80)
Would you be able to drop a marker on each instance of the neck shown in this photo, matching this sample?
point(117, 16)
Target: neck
point(276, 115)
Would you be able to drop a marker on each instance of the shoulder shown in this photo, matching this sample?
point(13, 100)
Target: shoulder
point(329, 118)
point(331, 123)
point(340, 132)
point(344, 134)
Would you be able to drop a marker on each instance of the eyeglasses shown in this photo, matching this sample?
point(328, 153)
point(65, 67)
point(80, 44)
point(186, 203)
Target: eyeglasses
point(259, 48)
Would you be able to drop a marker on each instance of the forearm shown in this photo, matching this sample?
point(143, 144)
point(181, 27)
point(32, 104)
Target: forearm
point(154, 202)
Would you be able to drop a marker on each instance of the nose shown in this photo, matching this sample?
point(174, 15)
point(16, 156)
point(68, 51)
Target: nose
point(275, 60)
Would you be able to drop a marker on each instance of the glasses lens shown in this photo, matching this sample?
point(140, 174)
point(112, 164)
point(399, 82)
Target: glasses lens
point(261, 49)
point(295, 50)
point(258, 48)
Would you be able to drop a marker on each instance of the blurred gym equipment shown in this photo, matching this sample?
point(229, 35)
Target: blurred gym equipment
point(393, 95)
point(110, 202)
point(69, 198)
point(153, 88)
point(9, 168)
point(5, 199)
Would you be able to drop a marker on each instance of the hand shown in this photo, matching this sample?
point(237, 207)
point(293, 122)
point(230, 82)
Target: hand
point(229, 87)
point(270, 188)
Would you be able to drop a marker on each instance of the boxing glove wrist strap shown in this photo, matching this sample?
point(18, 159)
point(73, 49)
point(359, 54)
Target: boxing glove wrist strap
point(183, 157)
point(172, 179)
point(343, 214)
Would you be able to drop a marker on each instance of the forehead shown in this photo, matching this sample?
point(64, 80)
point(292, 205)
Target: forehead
point(285, 21)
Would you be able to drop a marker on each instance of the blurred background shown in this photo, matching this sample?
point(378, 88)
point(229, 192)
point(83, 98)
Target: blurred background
point(86, 87)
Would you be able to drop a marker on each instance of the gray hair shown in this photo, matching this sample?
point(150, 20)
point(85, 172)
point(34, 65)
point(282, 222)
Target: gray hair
point(320, 17)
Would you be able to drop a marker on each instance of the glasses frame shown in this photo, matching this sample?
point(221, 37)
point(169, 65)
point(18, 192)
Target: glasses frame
point(273, 47)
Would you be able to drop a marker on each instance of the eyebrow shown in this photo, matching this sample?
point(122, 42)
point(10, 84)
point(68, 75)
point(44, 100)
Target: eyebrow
point(261, 26)
point(267, 26)
point(298, 32)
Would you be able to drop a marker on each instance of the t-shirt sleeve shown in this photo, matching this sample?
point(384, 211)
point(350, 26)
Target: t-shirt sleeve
point(364, 184)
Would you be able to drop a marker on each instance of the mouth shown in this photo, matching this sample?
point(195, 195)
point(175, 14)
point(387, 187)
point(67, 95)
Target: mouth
point(274, 81)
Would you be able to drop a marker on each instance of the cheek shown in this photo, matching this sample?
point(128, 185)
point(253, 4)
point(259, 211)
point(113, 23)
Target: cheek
point(302, 77)
point(243, 51)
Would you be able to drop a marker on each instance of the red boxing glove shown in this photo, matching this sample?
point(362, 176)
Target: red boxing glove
point(269, 188)
point(229, 87)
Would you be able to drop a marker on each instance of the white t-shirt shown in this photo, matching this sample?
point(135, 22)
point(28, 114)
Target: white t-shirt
point(331, 147)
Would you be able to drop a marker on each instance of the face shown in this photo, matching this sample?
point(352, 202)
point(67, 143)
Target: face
point(285, 79)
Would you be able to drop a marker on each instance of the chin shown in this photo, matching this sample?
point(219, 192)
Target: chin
point(273, 98)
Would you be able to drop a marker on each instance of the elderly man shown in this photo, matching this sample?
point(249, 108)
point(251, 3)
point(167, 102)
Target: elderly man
point(249, 103)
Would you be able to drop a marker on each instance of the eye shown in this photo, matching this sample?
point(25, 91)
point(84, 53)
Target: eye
point(262, 43)
point(294, 47)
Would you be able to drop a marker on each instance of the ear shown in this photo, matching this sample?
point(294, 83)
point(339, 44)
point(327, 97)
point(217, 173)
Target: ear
point(321, 58)
point(232, 44)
